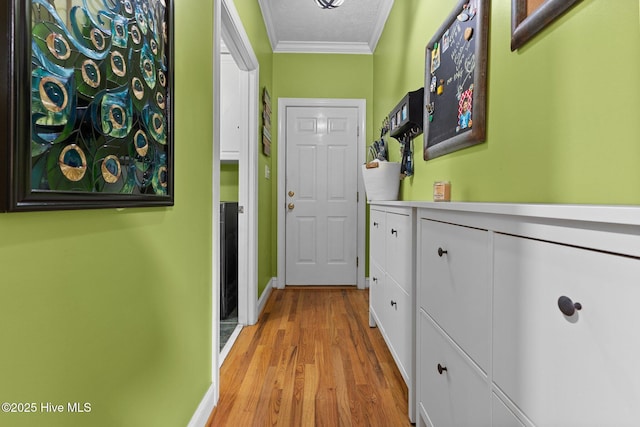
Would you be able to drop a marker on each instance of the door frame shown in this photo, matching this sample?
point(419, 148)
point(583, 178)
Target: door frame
point(226, 20)
point(227, 23)
point(242, 52)
point(283, 104)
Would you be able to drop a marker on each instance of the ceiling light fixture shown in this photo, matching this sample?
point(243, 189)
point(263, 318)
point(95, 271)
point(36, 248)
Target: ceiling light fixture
point(329, 4)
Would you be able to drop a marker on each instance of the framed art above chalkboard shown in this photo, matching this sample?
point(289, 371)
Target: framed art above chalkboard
point(529, 17)
point(456, 80)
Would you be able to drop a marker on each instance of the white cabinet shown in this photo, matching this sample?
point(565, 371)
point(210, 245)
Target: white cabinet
point(392, 286)
point(377, 295)
point(580, 370)
point(454, 326)
point(453, 390)
point(377, 233)
point(501, 416)
point(399, 249)
point(527, 315)
point(398, 325)
point(454, 284)
point(233, 107)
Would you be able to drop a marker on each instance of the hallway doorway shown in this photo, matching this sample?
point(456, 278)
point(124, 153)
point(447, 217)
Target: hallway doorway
point(322, 205)
point(238, 48)
point(284, 104)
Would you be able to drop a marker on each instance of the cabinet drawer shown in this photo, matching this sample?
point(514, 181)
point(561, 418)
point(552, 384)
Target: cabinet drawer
point(376, 292)
point(454, 285)
point(376, 236)
point(398, 306)
point(501, 415)
point(458, 396)
point(581, 370)
point(399, 236)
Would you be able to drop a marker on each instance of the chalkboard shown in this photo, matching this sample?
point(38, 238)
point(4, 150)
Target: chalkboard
point(456, 80)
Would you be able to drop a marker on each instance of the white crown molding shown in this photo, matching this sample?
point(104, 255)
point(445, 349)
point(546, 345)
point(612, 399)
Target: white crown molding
point(323, 47)
point(268, 23)
point(363, 48)
point(381, 20)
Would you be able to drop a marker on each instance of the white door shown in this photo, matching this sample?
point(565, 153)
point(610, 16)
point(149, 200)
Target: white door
point(321, 187)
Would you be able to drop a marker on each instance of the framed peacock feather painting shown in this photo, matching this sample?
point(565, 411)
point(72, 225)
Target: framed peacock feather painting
point(86, 114)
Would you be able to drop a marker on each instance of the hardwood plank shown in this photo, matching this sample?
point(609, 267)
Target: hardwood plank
point(274, 407)
point(312, 379)
point(312, 360)
point(249, 393)
point(263, 405)
point(288, 405)
point(326, 399)
point(342, 387)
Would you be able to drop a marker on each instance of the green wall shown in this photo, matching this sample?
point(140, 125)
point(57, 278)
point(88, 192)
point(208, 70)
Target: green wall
point(229, 182)
point(562, 111)
point(322, 76)
point(113, 307)
point(249, 11)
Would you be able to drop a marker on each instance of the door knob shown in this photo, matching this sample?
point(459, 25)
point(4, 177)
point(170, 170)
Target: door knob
point(291, 193)
point(291, 206)
point(568, 307)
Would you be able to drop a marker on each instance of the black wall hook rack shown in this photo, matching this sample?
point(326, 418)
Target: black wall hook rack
point(406, 118)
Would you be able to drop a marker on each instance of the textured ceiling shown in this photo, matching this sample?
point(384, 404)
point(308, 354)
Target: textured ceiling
point(301, 26)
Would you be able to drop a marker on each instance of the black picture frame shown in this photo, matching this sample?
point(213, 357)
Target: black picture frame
point(525, 26)
point(86, 118)
point(441, 133)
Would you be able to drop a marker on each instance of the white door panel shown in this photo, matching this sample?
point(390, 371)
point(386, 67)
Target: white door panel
point(336, 233)
point(321, 185)
point(306, 232)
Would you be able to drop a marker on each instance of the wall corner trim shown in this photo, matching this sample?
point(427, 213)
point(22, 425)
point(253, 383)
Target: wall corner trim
point(381, 20)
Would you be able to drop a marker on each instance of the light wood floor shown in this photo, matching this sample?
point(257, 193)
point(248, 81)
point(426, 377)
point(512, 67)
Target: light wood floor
point(311, 360)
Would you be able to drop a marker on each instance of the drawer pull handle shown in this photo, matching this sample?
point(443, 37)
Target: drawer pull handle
point(568, 307)
point(394, 304)
point(441, 369)
point(441, 252)
point(394, 231)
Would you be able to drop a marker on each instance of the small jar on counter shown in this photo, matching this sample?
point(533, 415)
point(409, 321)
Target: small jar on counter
point(442, 191)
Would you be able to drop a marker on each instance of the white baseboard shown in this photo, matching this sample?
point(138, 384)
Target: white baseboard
point(275, 283)
point(202, 414)
point(366, 283)
point(227, 347)
point(262, 301)
point(208, 403)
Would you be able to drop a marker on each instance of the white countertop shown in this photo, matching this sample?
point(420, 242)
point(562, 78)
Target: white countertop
point(611, 214)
